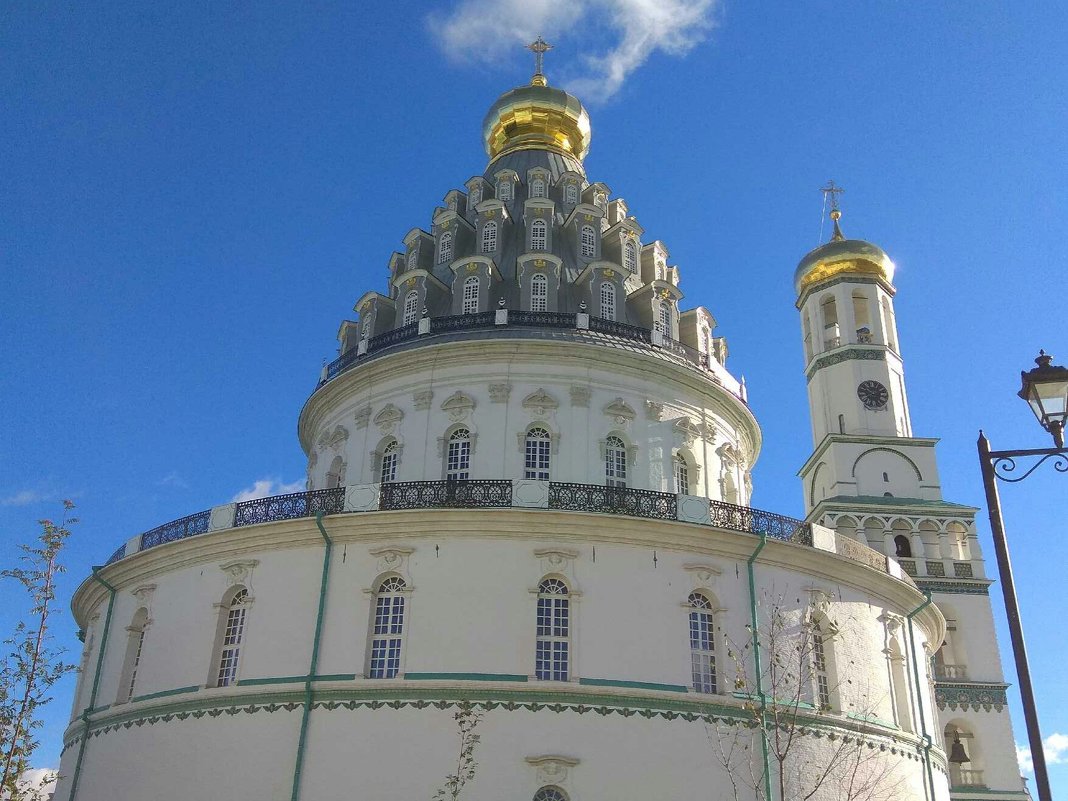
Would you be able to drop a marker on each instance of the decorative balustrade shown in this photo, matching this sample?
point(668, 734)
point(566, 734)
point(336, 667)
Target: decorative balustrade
point(964, 777)
point(461, 322)
point(613, 500)
point(951, 672)
point(445, 494)
point(176, 530)
point(618, 329)
point(542, 319)
point(120, 552)
point(497, 493)
point(963, 570)
point(287, 507)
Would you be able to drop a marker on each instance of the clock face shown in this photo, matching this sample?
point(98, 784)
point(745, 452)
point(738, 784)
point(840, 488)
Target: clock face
point(873, 395)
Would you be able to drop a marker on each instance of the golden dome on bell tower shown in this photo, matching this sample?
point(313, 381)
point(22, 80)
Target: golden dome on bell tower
point(537, 117)
point(842, 256)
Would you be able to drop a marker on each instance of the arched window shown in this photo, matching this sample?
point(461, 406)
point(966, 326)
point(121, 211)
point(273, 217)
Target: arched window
point(702, 643)
point(232, 633)
point(388, 471)
point(888, 325)
point(608, 301)
point(489, 237)
point(458, 456)
point(537, 454)
point(537, 188)
point(445, 247)
point(550, 793)
point(861, 317)
point(387, 634)
point(504, 189)
point(336, 474)
point(588, 242)
point(899, 685)
point(682, 474)
point(539, 235)
point(902, 546)
point(553, 630)
point(132, 661)
point(630, 256)
point(571, 194)
point(411, 307)
point(821, 683)
point(663, 321)
point(476, 195)
point(807, 325)
point(470, 300)
point(539, 292)
point(413, 259)
point(615, 462)
point(829, 311)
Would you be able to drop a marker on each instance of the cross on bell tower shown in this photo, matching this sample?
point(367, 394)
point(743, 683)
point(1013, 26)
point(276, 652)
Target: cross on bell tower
point(831, 192)
point(540, 47)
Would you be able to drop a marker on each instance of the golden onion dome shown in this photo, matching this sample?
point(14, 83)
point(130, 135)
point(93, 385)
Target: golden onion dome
point(537, 117)
point(842, 256)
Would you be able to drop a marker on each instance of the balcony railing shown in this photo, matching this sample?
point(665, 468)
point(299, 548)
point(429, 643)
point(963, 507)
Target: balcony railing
point(515, 318)
point(963, 777)
point(176, 530)
point(613, 500)
point(951, 672)
point(445, 494)
point(287, 507)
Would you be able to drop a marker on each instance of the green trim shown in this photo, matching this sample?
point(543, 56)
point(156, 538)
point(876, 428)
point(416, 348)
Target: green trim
point(955, 588)
point(977, 695)
point(637, 685)
point(871, 353)
point(96, 683)
point(465, 677)
point(165, 693)
point(302, 739)
point(295, 679)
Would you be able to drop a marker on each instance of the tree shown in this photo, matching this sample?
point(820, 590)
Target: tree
point(32, 665)
point(467, 719)
point(782, 713)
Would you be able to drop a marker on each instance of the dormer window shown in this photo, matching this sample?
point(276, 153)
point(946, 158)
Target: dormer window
point(539, 235)
point(588, 242)
point(537, 188)
point(630, 256)
point(539, 293)
point(504, 189)
point(489, 237)
point(608, 301)
point(411, 307)
point(476, 195)
point(413, 258)
point(571, 194)
point(663, 324)
point(445, 247)
point(600, 200)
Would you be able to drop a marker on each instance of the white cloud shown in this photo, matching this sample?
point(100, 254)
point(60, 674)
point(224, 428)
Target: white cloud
point(265, 487)
point(43, 780)
point(172, 479)
point(1055, 748)
point(632, 30)
point(25, 498)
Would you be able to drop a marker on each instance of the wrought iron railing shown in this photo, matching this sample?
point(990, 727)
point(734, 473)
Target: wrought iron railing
point(613, 500)
point(542, 319)
point(445, 494)
point(286, 507)
point(120, 552)
point(460, 322)
point(757, 521)
point(618, 329)
point(409, 331)
point(497, 493)
point(176, 530)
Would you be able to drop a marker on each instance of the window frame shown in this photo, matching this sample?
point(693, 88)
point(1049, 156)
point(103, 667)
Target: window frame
point(607, 299)
point(469, 299)
point(537, 453)
point(445, 247)
point(389, 612)
point(410, 314)
point(233, 625)
point(461, 438)
point(587, 242)
point(702, 629)
point(539, 292)
point(389, 461)
point(615, 461)
point(552, 630)
point(488, 241)
point(539, 235)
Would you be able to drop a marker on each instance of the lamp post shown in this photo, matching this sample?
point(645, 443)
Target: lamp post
point(1045, 388)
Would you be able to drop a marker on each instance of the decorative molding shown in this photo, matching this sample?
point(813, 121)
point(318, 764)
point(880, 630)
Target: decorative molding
point(557, 560)
point(967, 696)
point(388, 419)
point(875, 354)
point(239, 571)
point(421, 400)
point(703, 574)
point(654, 411)
point(393, 559)
point(499, 393)
point(686, 432)
point(552, 769)
point(362, 415)
point(580, 396)
point(955, 587)
point(620, 412)
point(458, 406)
point(334, 439)
point(540, 404)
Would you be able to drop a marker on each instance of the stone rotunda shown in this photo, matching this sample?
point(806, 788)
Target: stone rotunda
point(529, 473)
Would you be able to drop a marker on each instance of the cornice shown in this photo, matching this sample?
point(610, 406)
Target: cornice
point(863, 439)
point(574, 529)
point(852, 278)
point(948, 586)
point(874, 353)
point(971, 695)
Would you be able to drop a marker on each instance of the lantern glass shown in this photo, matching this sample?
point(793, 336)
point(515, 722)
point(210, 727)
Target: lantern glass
point(1045, 389)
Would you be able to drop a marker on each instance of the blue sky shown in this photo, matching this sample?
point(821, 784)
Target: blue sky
point(195, 194)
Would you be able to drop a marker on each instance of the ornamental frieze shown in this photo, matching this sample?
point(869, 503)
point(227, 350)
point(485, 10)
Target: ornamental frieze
point(849, 354)
point(971, 696)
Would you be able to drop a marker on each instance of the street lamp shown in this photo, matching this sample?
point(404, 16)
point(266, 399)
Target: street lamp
point(1045, 388)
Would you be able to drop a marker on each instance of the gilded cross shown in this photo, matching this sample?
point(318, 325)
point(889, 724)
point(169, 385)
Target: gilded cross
point(540, 48)
point(831, 192)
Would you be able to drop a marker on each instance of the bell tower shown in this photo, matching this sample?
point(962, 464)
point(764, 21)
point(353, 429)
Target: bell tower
point(871, 481)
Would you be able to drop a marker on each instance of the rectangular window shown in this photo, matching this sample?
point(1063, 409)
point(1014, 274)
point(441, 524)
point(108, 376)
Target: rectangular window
point(459, 460)
point(231, 650)
point(386, 644)
point(537, 459)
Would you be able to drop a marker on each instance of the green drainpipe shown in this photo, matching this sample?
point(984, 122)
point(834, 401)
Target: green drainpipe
point(919, 700)
point(313, 668)
point(96, 684)
point(756, 666)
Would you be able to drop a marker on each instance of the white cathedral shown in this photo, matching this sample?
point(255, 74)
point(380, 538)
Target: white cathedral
point(528, 506)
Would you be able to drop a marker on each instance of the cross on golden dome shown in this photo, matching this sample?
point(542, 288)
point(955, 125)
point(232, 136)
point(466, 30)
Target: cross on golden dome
point(540, 47)
point(832, 191)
